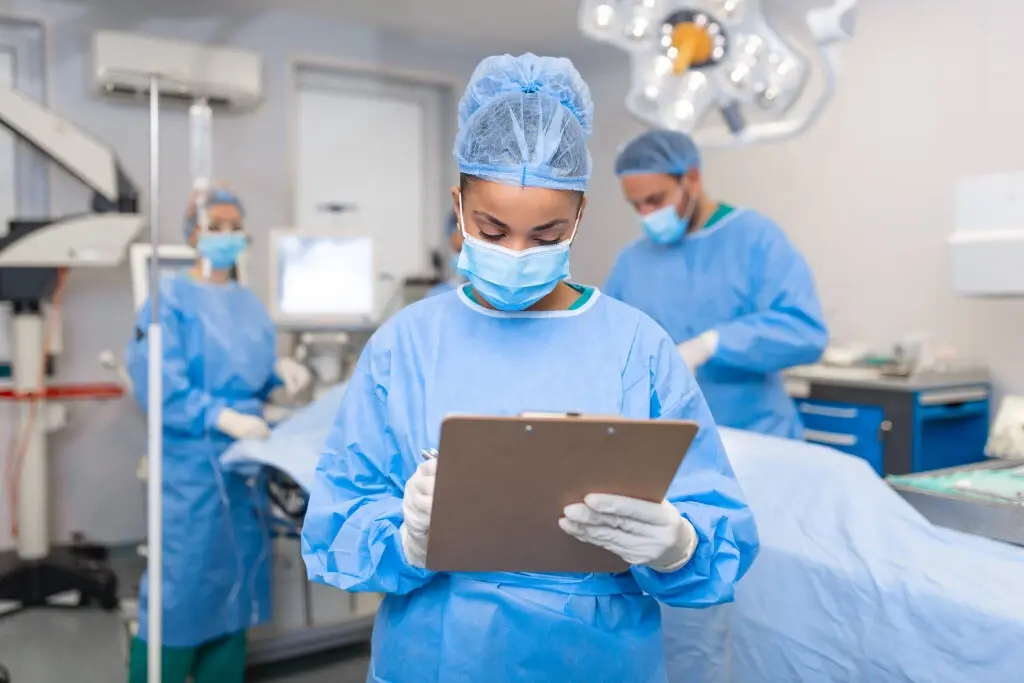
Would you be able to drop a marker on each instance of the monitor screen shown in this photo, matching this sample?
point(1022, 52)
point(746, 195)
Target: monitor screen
point(325, 277)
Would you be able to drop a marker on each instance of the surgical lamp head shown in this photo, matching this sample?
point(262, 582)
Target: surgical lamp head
point(694, 58)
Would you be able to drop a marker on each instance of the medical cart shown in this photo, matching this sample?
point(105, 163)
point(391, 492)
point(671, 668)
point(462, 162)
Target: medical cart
point(899, 425)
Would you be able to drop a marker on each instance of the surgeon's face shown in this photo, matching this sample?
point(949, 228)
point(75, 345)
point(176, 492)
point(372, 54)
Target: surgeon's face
point(223, 218)
point(648, 192)
point(518, 218)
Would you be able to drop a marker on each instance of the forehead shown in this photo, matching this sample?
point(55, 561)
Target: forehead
point(641, 185)
point(227, 213)
point(520, 206)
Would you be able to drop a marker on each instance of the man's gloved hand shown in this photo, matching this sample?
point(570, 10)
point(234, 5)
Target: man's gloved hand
point(699, 350)
point(294, 375)
point(638, 531)
point(239, 426)
point(419, 498)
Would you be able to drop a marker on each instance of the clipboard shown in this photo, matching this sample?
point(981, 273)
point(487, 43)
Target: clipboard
point(503, 482)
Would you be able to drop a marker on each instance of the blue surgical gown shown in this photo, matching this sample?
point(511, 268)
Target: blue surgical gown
point(449, 355)
point(744, 279)
point(218, 352)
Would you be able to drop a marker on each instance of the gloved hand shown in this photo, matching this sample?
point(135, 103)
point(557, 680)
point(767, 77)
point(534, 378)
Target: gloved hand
point(239, 426)
point(419, 498)
point(638, 531)
point(699, 350)
point(295, 376)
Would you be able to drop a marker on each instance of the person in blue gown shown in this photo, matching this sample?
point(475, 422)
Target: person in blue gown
point(455, 244)
point(726, 284)
point(218, 368)
point(519, 336)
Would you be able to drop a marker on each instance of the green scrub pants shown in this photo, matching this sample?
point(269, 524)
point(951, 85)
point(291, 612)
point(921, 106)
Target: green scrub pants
point(216, 661)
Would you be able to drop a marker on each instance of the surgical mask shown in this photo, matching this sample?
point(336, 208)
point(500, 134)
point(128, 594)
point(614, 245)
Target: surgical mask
point(665, 226)
point(513, 280)
point(453, 262)
point(221, 250)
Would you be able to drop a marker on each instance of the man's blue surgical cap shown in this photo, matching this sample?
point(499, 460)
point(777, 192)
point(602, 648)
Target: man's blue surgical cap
point(525, 121)
point(658, 151)
point(215, 197)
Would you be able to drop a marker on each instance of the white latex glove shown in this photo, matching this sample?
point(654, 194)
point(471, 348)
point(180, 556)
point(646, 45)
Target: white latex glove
point(419, 498)
point(295, 376)
point(638, 531)
point(699, 350)
point(241, 426)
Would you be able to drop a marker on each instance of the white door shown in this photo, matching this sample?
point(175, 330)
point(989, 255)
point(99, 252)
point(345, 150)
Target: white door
point(8, 205)
point(373, 146)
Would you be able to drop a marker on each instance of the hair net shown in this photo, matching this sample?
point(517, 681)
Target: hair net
point(525, 121)
point(216, 197)
point(658, 151)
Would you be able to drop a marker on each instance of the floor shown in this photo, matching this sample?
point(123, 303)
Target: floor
point(90, 645)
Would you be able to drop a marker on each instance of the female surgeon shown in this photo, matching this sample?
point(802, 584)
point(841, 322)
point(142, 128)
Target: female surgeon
point(725, 283)
point(520, 337)
point(219, 368)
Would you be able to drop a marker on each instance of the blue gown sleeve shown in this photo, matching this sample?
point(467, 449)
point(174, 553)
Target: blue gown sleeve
point(188, 410)
point(706, 493)
point(350, 537)
point(788, 327)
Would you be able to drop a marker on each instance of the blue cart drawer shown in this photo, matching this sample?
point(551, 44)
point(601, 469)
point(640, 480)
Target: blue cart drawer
point(853, 429)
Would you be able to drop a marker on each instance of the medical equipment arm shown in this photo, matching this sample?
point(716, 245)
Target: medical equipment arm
point(788, 327)
point(350, 537)
point(186, 409)
point(705, 492)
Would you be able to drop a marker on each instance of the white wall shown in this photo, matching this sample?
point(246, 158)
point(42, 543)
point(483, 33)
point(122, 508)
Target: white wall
point(929, 93)
point(93, 460)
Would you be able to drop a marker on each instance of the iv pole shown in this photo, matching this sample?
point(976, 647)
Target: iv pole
point(155, 404)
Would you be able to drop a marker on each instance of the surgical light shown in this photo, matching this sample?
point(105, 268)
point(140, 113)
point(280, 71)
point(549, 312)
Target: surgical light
point(691, 58)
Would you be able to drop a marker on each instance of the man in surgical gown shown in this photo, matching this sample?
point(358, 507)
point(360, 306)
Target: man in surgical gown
point(725, 283)
point(519, 337)
point(219, 367)
point(455, 243)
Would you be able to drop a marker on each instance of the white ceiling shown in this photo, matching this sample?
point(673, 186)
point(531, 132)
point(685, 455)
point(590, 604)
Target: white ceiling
point(496, 25)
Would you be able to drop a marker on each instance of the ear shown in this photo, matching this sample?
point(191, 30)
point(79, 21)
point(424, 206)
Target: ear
point(583, 207)
point(693, 180)
point(455, 206)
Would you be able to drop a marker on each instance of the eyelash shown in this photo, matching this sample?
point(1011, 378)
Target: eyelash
point(498, 237)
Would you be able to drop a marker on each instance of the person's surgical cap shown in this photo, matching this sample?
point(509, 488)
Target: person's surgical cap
point(216, 197)
point(525, 121)
point(658, 151)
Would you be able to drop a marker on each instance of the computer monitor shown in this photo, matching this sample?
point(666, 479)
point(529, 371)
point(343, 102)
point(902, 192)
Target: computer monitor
point(174, 258)
point(322, 279)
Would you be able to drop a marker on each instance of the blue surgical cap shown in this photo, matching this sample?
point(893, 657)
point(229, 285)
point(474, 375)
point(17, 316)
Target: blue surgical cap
point(525, 121)
point(658, 151)
point(215, 197)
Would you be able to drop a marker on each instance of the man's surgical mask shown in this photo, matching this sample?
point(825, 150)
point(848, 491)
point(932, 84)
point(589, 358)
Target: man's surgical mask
point(222, 250)
point(513, 280)
point(665, 226)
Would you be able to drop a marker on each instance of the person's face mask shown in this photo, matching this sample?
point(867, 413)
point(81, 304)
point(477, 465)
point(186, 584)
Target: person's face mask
point(513, 280)
point(222, 249)
point(665, 226)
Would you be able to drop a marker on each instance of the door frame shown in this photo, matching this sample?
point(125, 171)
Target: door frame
point(450, 88)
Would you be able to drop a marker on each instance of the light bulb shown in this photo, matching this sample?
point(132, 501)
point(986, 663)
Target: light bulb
point(636, 29)
point(603, 15)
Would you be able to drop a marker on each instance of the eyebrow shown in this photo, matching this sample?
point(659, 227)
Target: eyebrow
point(499, 224)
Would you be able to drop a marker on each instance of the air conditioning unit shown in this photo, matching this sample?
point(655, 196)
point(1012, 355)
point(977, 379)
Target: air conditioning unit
point(125, 63)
